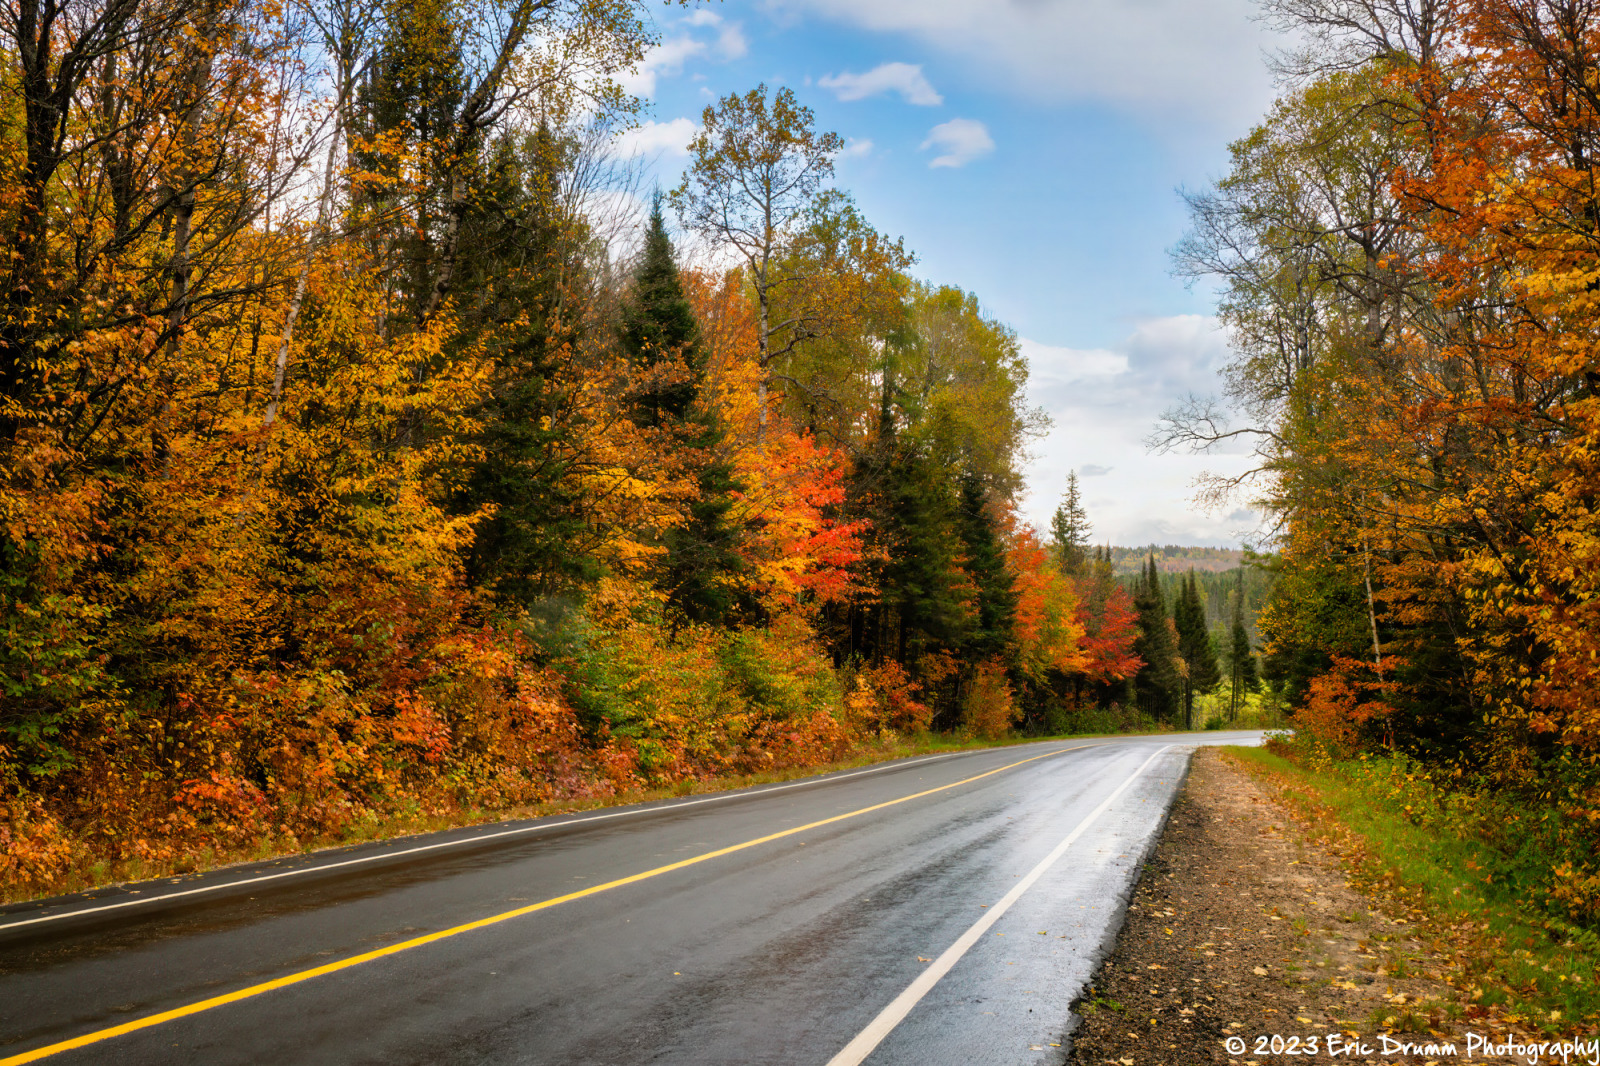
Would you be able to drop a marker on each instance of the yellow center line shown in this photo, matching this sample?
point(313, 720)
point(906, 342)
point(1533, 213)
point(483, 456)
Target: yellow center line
point(417, 942)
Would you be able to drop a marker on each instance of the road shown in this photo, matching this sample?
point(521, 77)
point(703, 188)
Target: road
point(945, 909)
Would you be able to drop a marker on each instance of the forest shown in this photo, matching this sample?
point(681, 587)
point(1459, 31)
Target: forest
point(374, 448)
point(1406, 251)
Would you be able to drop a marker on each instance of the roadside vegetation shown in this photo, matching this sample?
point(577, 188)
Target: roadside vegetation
point(373, 457)
point(1405, 249)
point(88, 869)
point(1473, 869)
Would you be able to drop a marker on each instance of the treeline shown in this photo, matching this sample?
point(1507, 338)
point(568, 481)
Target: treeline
point(1196, 637)
point(1186, 640)
point(345, 472)
point(1406, 249)
point(1174, 558)
point(1246, 587)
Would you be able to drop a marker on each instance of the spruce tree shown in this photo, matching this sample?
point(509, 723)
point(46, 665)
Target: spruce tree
point(518, 245)
point(990, 636)
point(921, 603)
point(1194, 641)
point(1241, 661)
point(658, 333)
point(411, 95)
point(1069, 530)
point(1158, 685)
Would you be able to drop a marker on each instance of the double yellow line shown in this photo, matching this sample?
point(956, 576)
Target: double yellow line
point(444, 934)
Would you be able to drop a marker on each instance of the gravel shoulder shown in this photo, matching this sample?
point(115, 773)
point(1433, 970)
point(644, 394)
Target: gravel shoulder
point(1244, 927)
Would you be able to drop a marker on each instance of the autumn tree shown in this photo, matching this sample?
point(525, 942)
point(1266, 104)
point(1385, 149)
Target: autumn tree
point(756, 167)
point(1110, 624)
point(842, 316)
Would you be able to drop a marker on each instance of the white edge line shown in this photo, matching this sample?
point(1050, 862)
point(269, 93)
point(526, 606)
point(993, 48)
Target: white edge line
point(537, 828)
point(892, 1015)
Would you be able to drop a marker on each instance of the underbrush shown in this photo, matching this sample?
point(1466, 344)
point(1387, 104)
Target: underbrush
point(1095, 721)
point(462, 729)
point(1483, 873)
point(1255, 710)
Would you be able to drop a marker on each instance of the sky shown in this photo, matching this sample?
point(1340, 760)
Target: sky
point(1032, 152)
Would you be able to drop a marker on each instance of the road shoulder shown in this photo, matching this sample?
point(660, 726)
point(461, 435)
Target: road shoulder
point(1242, 927)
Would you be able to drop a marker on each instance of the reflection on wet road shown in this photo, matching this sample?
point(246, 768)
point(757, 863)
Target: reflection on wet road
point(770, 925)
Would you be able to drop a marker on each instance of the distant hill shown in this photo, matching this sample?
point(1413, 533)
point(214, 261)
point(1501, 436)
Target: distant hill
point(1176, 559)
point(1212, 566)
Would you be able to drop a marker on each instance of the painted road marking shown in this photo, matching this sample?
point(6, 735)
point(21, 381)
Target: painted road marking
point(892, 1015)
point(444, 934)
point(540, 827)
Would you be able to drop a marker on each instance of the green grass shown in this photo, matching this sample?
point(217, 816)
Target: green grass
point(1536, 969)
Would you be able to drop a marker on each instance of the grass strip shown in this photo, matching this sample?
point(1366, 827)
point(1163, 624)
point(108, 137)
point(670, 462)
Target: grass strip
point(1509, 960)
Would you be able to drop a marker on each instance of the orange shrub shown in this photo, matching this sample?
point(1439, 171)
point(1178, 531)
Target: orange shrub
point(988, 710)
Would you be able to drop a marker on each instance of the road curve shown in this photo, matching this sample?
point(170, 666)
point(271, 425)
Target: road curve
point(933, 910)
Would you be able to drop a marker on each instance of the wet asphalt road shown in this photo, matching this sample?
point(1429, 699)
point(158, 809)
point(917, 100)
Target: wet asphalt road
point(779, 952)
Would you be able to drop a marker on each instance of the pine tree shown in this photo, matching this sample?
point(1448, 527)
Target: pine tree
point(1158, 685)
point(1241, 661)
point(986, 565)
point(1194, 638)
point(1069, 530)
point(520, 244)
point(658, 333)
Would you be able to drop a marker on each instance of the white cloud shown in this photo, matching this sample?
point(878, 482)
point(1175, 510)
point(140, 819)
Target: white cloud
point(961, 140)
point(855, 149)
point(1175, 61)
point(657, 138)
point(1104, 402)
point(902, 78)
point(731, 43)
point(665, 59)
point(1071, 364)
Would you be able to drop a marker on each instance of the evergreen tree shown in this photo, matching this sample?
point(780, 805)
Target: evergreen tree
point(1241, 661)
point(520, 244)
point(1158, 685)
point(412, 92)
point(924, 607)
point(1069, 530)
point(990, 635)
point(658, 333)
point(1194, 641)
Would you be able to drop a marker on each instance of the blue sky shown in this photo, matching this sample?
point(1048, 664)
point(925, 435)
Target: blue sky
point(1028, 151)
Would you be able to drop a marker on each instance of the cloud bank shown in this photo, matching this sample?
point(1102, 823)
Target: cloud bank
point(1168, 59)
point(1103, 403)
